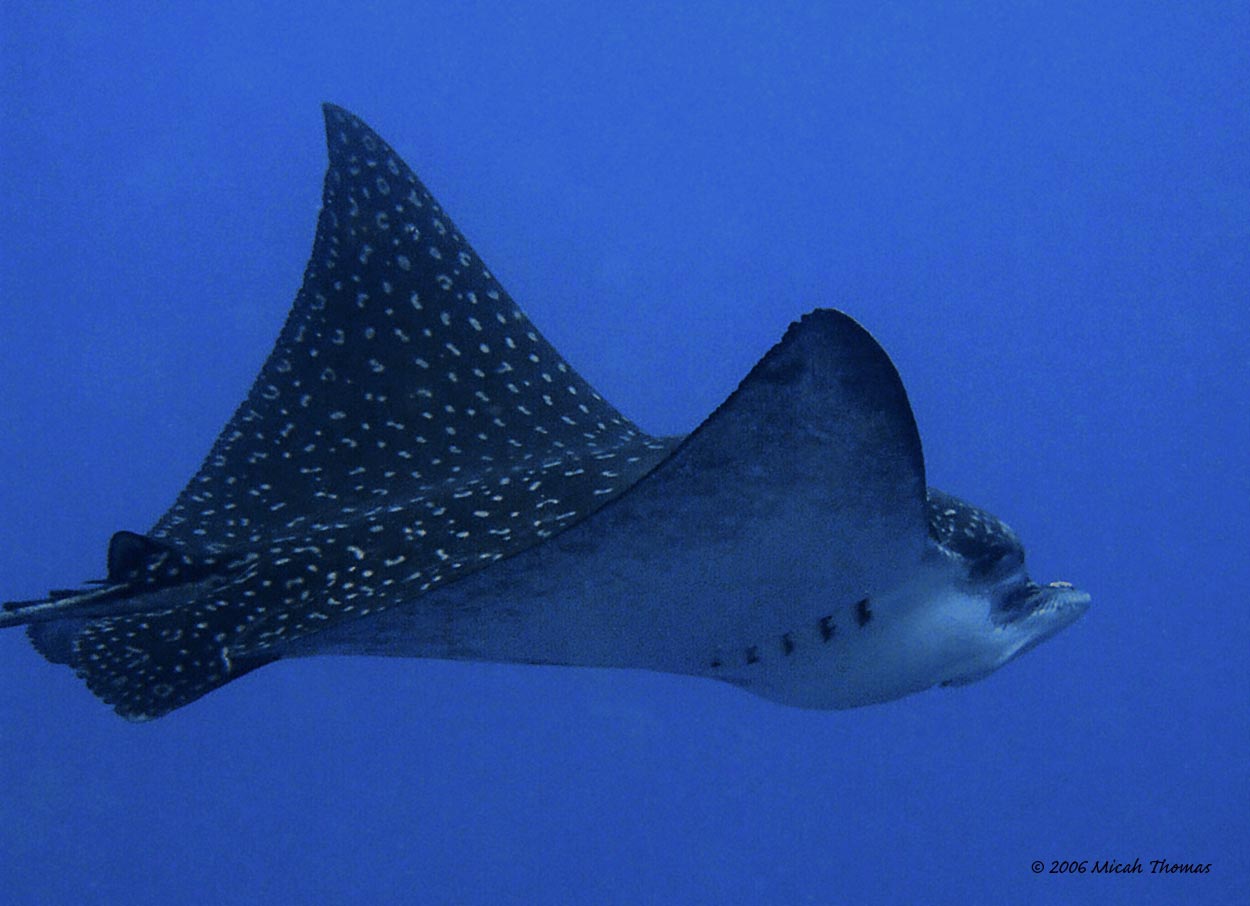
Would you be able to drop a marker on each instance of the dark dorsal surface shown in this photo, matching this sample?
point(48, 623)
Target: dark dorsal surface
point(801, 497)
point(979, 537)
point(404, 370)
point(410, 427)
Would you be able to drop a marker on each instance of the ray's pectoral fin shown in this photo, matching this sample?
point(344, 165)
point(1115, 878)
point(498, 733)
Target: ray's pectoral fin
point(822, 418)
point(412, 434)
point(151, 636)
point(818, 441)
point(146, 665)
point(803, 493)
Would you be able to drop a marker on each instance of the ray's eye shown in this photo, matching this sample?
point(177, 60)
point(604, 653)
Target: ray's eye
point(997, 560)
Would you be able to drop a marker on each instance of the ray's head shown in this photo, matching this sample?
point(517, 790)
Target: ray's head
point(1023, 613)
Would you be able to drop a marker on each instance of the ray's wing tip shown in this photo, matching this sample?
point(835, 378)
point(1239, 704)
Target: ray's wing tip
point(825, 320)
point(332, 111)
point(351, 141)
point(350, 129)
point(828, 364)
point(821, 332)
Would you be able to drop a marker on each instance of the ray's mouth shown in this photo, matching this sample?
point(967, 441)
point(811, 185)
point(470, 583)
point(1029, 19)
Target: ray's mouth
point(1059, 601)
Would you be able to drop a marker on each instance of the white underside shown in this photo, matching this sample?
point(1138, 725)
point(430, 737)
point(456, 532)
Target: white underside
point(760, 630)
point(927, 631)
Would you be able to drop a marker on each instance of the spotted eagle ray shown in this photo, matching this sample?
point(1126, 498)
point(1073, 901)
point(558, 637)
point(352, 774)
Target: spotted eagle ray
point(416, 472)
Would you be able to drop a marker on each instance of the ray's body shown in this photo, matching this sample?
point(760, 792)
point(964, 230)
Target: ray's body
point(417, 472)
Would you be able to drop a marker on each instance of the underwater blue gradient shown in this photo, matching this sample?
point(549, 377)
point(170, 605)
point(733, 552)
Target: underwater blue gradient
point(1041, 210)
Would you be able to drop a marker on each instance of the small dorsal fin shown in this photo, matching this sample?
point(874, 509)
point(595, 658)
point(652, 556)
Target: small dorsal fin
point(143, 563)
point(137, 566)
point(131, 553)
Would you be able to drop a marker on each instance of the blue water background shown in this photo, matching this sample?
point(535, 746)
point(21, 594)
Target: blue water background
point(1042, 210)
